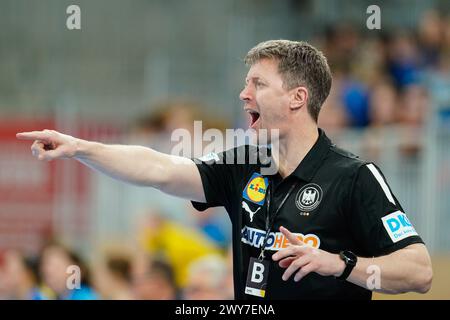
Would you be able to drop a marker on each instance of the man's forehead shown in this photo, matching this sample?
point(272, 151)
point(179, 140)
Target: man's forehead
point(262, 69)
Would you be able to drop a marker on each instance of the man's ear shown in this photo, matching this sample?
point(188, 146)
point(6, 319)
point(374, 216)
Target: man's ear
point(299, 98)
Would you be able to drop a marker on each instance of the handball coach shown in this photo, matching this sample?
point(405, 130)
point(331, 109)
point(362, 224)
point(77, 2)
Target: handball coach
point(325, 225)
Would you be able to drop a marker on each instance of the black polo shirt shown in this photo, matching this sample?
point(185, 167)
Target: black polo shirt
point(338, 202)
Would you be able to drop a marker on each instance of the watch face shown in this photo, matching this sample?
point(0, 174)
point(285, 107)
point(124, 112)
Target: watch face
point(349, 257)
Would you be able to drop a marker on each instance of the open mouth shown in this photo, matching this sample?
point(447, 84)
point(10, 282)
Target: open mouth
point(254, 117)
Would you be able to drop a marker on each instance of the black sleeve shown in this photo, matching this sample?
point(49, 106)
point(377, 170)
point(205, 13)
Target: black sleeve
point(377, 220)
point(222, 175)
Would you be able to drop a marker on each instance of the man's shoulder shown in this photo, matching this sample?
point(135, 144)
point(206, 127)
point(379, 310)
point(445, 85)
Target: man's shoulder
point(245, 154)
point(345, 160)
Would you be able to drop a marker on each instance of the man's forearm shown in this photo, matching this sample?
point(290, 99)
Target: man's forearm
point(405, 270)
point(138, 165)
point(133, 164)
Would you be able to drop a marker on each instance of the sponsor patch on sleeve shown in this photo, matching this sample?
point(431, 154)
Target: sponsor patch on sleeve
point(398, 226)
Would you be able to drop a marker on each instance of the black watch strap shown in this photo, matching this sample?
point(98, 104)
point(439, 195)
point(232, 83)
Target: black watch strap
point(350, 260)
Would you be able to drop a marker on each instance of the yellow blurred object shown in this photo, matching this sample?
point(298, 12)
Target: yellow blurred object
point(48, 293)
point(179, 244)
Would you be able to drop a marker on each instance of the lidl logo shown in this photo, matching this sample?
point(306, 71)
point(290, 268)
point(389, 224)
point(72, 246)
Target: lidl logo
point(398, 226)
point(255, 190)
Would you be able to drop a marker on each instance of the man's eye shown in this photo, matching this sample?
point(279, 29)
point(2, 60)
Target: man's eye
point(259, 84)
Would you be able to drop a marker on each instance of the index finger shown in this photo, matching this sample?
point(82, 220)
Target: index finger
point(33, 135)
point(290, 236)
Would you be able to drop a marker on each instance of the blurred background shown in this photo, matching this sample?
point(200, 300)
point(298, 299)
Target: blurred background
point(139, 69)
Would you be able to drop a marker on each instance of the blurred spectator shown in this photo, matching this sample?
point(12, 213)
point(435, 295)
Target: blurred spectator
point(414, 109)
point(155, 129)
point(156, 281)
point(147, 128)
point(369, 64)
point(341, 44)
point(178, 243)
point(333, 116)
point(20, 277)
point(377, 77)
point(206, 279)
point(341, 48)
point(403, 60)
point(112, 278)
point(229, 282)
point(355, 97)
point(431, 37)
point(383, 104)
point(55, 262)
point(214, 224)
point(437, 83)
point(414, 105)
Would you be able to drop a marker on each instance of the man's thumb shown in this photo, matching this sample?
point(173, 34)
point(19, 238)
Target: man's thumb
point(50, 155)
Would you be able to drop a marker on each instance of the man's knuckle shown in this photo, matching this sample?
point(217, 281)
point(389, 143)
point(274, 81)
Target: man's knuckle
point(297, 263)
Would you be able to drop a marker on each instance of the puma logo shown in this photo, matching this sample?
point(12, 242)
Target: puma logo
point(247, 208)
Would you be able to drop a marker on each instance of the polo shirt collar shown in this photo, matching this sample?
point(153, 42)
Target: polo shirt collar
point(313, 159)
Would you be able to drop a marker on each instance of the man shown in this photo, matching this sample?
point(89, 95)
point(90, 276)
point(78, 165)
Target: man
point(319, 228)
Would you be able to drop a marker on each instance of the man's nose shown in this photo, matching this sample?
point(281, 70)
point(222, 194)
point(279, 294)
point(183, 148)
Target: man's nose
point(245, 94)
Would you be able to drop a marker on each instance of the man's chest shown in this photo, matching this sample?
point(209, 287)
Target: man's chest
point(311, 210)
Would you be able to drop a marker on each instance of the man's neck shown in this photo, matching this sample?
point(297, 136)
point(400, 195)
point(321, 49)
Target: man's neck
point(293, 148)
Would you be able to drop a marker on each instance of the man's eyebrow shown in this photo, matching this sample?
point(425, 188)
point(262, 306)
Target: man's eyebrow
point(253, 79)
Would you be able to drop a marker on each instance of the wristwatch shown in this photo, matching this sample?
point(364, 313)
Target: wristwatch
point(350, 260)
